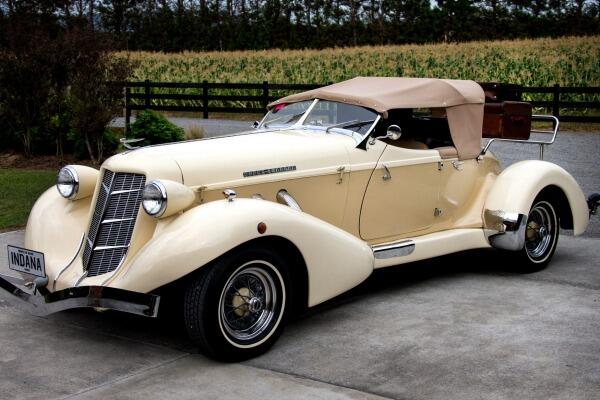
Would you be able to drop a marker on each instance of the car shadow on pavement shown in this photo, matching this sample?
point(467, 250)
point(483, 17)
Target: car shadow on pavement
point(168, 329)
point(397, 278)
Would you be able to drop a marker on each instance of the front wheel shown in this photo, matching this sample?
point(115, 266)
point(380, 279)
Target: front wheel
point(541, 236)
point(236, 309)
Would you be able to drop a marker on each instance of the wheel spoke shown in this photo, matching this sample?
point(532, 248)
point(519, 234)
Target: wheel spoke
point(541, 223)
point(252, 285)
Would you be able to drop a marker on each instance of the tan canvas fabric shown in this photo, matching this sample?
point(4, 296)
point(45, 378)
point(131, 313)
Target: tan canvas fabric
point(447, 152)
point(466, 122)
point(462, 99)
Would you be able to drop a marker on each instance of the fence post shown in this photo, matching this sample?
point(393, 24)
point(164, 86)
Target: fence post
point(265, 95)
point(556, 100)
point(127, 91)
point(205, 99)
point(147, 94)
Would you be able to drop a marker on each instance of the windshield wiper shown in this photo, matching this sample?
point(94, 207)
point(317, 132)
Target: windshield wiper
point(291, 117)
point(349, 124)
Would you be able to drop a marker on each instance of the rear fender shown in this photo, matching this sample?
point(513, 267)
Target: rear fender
point(517, 187)
point(336, 261)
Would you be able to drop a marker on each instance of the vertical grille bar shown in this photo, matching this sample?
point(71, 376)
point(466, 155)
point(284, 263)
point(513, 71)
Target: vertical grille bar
point(113, 221)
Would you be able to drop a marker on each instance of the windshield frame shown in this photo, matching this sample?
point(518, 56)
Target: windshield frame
point(299, 124)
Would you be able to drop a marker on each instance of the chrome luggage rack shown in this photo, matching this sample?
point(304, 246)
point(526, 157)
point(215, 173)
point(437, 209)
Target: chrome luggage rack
point(541, 143)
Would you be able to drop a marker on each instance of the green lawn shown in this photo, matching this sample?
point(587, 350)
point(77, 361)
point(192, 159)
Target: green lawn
point(19, 189)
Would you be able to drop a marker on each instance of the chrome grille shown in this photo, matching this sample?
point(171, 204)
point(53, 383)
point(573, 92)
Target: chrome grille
point(113, 221)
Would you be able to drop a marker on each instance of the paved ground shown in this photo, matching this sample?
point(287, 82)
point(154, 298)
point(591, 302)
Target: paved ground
point(458, 327)
point(212, 127)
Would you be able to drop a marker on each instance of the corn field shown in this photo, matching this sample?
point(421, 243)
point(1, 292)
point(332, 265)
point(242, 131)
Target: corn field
point(570, 61)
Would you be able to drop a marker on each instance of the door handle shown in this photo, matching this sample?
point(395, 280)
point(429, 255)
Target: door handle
point(386, 173)
point(458, 165)
point(340, 171)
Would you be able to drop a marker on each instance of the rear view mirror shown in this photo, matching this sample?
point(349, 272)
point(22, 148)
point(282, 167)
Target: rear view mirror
point(255, 124)
point(393, 132)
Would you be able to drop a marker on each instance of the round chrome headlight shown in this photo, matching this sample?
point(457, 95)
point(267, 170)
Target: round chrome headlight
point(67, 182)
point(154, 199)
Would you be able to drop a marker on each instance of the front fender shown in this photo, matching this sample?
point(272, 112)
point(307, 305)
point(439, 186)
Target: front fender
point(336, 260)
point(56, 227)
point(517, 186)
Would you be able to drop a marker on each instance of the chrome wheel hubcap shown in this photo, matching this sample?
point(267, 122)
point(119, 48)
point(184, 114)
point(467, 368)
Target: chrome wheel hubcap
point(248, 302)
point(540, 231)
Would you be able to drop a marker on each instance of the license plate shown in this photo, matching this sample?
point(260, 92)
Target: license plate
point(27, 261)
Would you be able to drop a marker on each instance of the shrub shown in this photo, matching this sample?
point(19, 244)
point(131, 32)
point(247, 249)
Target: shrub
point(155, 129)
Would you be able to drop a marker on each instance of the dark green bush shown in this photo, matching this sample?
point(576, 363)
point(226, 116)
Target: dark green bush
point(155, 129)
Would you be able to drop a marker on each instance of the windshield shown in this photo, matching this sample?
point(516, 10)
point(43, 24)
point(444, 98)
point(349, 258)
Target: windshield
point(284, 115)
point(330, 116)
point(340, 116)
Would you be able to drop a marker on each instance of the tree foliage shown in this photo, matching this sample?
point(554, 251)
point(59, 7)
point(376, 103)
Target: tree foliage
point(175, 25)
point(55, 75)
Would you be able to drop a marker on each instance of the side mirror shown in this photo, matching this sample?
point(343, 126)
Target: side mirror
point(255, 124)
point(393, 132)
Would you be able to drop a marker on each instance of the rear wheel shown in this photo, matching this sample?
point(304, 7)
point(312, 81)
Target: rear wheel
point(236, 309)
point(541, 236)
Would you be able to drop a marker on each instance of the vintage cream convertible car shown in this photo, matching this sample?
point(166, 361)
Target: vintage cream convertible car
point(332, 184)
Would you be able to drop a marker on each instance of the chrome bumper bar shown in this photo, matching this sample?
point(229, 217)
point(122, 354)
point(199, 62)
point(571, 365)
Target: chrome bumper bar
point(80, 297)
point(511, 229)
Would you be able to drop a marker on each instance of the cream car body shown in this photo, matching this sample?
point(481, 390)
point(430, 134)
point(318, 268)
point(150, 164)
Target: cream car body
point(357, 203)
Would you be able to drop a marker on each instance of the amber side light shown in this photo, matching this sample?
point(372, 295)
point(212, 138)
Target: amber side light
point(262, 228)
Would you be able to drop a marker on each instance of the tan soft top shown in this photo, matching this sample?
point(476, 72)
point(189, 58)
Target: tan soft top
point(462, 99)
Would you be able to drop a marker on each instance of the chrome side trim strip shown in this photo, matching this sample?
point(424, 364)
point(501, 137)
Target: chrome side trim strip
point(398, 249)
point(285, 198)
point(69, 263)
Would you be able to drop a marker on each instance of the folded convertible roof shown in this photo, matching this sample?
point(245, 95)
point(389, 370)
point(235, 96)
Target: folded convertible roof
point(462, 99)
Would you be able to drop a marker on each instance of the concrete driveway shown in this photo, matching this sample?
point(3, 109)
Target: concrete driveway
point(458, 327)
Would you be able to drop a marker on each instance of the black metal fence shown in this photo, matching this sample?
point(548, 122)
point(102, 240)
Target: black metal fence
point(570, 104)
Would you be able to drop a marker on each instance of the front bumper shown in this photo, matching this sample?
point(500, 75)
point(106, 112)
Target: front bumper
point(80, 297)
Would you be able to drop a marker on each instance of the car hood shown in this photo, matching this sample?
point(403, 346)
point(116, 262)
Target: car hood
point(239, 159)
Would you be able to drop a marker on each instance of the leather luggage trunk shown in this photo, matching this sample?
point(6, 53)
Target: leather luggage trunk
point(507, 120)
point(498, 92)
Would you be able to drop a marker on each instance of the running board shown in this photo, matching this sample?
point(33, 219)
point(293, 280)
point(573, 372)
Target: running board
point(391, 250)
point(428, 246)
